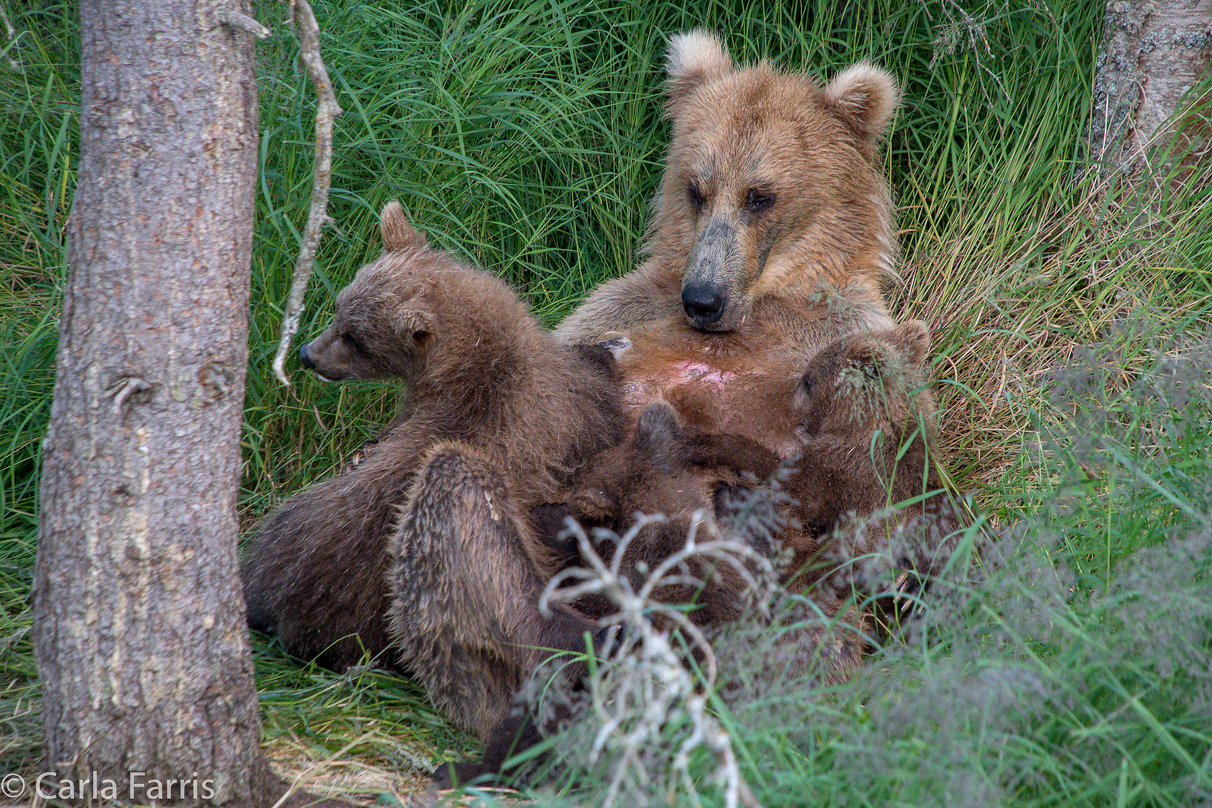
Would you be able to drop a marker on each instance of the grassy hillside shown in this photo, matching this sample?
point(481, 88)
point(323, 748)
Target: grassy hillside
point(1071, 329)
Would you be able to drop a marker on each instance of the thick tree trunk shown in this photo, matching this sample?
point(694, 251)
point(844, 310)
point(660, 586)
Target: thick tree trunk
point(139, 619)
point(1153, 53)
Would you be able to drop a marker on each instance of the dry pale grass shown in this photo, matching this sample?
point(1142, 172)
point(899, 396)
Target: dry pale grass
point(1067, 280)
point(346, 775)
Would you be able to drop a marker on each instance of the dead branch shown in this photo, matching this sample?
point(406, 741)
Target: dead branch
point(304, 23)
point(645, 683)
point(245, 23)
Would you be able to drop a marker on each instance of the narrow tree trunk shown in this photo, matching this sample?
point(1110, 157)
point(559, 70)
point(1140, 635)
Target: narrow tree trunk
point(1153, 53)
point(139, 619)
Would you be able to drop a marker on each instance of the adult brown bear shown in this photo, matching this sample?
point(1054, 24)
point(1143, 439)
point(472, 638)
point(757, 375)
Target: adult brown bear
point(772, 192)
point(773, 235)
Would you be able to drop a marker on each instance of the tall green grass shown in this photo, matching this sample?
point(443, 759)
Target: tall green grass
point(528, 136)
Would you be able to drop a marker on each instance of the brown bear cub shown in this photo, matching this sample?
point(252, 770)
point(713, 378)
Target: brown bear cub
point(667, 471)
point(481, 372)
point(867, 475)
point(853, 428)
point(855, 431)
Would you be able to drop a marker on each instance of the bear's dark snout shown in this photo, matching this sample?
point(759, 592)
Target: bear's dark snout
point(305, 359)
point(703, 302)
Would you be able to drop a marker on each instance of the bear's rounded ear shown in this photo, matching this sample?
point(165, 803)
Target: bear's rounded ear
point(413, 323)
point(691, 59)
point(397, 233)
point(864, 97)
point(912, 341)
point(658, 436)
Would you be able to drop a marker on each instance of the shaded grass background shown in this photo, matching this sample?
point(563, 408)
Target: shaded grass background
point(528, 136)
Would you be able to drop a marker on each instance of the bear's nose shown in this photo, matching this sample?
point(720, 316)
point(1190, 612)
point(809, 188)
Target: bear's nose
point(703, 303)
point(305, 359)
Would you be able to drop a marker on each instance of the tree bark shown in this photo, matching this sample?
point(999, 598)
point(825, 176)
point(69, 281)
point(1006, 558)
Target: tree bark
point(139, 618)
point(1153, 53)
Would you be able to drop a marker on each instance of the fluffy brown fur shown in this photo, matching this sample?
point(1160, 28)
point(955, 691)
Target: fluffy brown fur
point(479, 369)
point(866, 475)
point(852, 426)
point(866, 423)
point(771, 191)
point(848, 432)
point(860, 472)
point(465, 586)
point(668, 471)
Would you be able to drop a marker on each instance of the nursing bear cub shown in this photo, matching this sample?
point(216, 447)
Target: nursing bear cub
point(487, 388)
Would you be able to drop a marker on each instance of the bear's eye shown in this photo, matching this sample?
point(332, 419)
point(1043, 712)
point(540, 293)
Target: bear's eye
point(353, 343)
point(807, 383)
point(757, 201)
point(695, 196)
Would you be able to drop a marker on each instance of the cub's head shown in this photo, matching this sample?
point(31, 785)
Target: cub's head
point(772, 184)
point(650, 473)
point(381, 320)
point(863, 382)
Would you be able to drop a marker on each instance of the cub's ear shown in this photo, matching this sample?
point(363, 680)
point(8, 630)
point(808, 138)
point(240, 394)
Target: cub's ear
point(397, 233)
point(692, 59)
point(412, 321)
point(659, 438)
point(864, 97)
point(912, 341)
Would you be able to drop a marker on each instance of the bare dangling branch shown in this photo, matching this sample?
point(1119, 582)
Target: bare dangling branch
point(304, 23)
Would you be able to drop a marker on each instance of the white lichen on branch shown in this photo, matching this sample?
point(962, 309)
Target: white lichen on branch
point(304, 23)
point(649, 704)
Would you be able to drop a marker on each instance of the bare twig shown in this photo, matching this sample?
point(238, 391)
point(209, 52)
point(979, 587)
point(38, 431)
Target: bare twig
point(244, 22)
point(651, 709)
point(304, 22)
